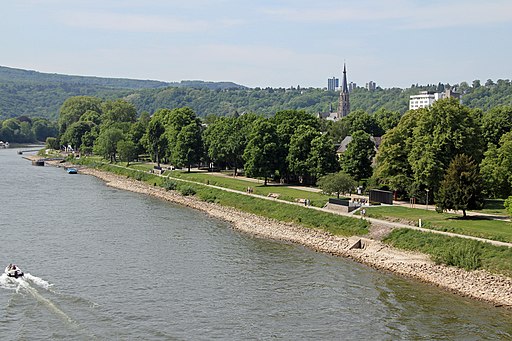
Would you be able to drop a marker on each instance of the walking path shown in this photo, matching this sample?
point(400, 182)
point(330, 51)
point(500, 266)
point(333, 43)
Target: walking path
point(326, 209)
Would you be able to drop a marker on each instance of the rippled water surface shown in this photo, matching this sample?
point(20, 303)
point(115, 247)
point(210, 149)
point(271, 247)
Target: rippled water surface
point(108, 264)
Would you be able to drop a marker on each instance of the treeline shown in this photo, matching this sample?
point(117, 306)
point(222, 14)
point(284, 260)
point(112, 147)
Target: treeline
point(455, 153)
point(24, 129)
point(34, 94)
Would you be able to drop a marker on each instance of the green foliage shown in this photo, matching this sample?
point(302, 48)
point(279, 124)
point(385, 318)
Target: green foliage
point(74, 107)
point(464, 253)
point(444, 130)
point(461, 187)
point(262, 149)
point(357, 159)
point(337, 183)
point(508, 205)
point(106, 143)
point(496, 122)
point(496, 168)
point(170, 185)
point(127, 150)
point(52, 143)
point(187, 190)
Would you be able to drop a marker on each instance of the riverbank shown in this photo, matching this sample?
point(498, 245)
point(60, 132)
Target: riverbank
point(480, 285)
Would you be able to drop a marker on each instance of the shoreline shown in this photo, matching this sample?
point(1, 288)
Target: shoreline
point(479, 285)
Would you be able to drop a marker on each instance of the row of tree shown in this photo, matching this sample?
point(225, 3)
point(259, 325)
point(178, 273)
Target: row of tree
point(26, 130)
point(414, 158)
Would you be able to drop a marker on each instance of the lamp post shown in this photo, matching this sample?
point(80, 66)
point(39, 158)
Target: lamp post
point(427, 198)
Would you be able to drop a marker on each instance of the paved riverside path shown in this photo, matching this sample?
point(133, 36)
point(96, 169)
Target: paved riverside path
point(324, 209)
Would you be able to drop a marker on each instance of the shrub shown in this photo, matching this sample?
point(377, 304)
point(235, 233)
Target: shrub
point(170, 185)
point(187, 190)
point(466, 255)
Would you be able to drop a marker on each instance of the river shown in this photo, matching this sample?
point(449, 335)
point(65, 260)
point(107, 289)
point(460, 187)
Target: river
point(106, 264)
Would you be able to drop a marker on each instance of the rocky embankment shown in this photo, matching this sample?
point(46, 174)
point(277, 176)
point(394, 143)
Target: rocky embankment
point(479, 285)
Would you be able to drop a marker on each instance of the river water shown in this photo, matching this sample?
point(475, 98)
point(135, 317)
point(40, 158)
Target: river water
point(106, 264)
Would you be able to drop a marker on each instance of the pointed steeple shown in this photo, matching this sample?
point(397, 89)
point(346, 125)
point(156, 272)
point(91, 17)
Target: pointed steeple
point(344, 102)
point(344, 87)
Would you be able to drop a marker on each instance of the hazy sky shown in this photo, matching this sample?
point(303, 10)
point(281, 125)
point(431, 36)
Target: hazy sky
point(278, 43)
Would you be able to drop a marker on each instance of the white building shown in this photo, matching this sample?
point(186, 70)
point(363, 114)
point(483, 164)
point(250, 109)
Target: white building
point(427, 98)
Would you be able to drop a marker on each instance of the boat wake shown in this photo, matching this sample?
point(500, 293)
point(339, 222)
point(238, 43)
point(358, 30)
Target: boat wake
point(36, 287)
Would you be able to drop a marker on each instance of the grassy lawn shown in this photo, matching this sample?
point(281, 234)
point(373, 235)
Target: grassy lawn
point(335, 224)
point(494, 206)
point(472, 226)
point(285, 193)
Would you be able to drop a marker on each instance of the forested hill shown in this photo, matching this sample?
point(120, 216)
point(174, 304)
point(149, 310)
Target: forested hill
point(38, 94)
point(32, 93)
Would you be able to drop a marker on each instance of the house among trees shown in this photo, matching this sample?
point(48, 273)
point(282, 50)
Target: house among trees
point(343, 145)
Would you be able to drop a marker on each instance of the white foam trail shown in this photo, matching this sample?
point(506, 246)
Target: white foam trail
point(38, 281)
point(25, 285)
point(6, 282)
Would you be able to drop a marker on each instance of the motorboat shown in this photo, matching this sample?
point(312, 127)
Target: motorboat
point(13, 271)
point(72, 170)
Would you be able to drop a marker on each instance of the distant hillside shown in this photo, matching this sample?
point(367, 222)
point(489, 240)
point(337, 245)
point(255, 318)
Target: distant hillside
point(32, 93)
point(38, 94)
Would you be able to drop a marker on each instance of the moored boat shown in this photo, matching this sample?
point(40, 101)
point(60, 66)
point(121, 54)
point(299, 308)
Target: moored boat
point(72, 170)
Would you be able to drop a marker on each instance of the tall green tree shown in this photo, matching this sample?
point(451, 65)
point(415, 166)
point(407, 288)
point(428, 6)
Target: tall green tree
point(393, 170)
point(106, 143)
point(496, 122)
point(357, 159)
point(461, 188)
point(298, 159)
point(444, 130)
point(74, 107)
point(155, 139)
point(127, 150)
point(496, 168)
point(188, 147)
point(74, 133)
point(119, 110)
point(260, 154)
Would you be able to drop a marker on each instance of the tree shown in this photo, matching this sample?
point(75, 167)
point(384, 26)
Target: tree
point(442, 131)
point(357, 159)
point(461, 187)
point(299, 151)
point(508, 205)
point(393, 170)
point(127, 150)
point(155, 139)
point(52, 143)
point(74, 133)
point(106, 143)
point(337, 183)
point(386, 119)
point(188, 147)
point(260, 154)
point(496, 168)
point(118, 111)
point(74, 107)
point(496, 122)
point(322, 157)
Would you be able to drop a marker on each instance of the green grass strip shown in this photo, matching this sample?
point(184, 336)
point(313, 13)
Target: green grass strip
point(333, 223)
point(476, 226)
point(460, 252)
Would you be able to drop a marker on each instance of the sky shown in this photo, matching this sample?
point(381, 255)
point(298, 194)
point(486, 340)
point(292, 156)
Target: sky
point(262, 43)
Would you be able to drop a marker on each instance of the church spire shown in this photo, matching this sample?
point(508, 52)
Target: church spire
point(344, 87)
point(344, 102)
